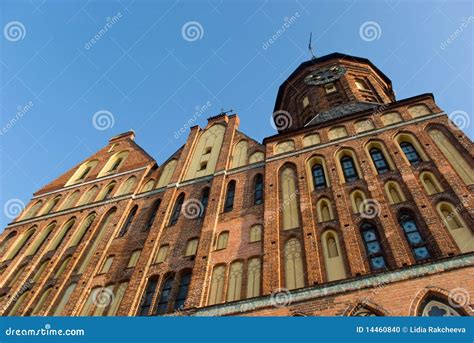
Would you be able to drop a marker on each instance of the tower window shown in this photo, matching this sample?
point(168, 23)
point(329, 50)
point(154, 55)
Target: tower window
point(229, 200)
point(305, 102)
point(373, 247)
point(177, 209)
point(349, 169)
point(207, 150)
point(379, 160)
point(258, 190)
point(361, 85)
point(410, 152)
point(319, 178)
point(414, 238)
point(203, 166)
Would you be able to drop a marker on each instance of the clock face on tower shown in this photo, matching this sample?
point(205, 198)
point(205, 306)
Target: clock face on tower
point(325, 75)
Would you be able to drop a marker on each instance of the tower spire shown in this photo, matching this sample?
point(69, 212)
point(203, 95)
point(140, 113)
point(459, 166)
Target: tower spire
point(310, 47)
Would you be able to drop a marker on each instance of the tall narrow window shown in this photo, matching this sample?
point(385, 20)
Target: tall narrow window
point(373, 246)
point(180, 301)
point(148, 296)
point(103, 229)
point(410, 152)
point(50, 205)
point(229, 199)
point(253, 277)
point(394, 192)
point(128, 221)
point(6, 242)
point(177, 209)
point(258, 190)
point(62, 267)
point(319, 179)
point(204, 201)
point(107, 264)
point(222, 240)
point(58, 240)
point(379, 160)
point(234, 289)
point(332, 256)
point(255, 233)
point(65, 298)
point(162, 306)
point(42, 237)
point(42, 300)
point(128, 186)
point(18, 303)
point(89, 196)
point(430, 183)
point(81, 232)
point(191, 247)
point(414, 238)
point(132, 262)
point(162, 253)
point(71, 200)
point(289, 199)
point(106, 193)
point(294, 271)
point(33, 211)
point(217, 285)
point(119, 293)
point(153, 213)
point(40, 270)
point(456, 226)
point(21, 242)
point(116, 164)
point(349, 169)
point(324, 210)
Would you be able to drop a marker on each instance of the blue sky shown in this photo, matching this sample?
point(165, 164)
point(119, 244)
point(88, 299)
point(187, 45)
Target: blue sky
point(150, 73)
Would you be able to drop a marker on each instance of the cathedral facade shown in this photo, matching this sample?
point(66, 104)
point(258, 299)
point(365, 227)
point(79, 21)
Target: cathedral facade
point(360, 204)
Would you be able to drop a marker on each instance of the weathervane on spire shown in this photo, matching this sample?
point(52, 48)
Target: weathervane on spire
point(310, 47)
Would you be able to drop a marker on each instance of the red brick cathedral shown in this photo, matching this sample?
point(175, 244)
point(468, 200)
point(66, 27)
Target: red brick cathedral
point(360, 205)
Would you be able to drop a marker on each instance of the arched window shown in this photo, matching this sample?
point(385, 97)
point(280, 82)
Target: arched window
point(256, 157)
point(6, 241)
point(324, 210)
point(148, 186)
point(204, 201)
point(454, 157)
point(106, 193)
point(162, 306)
point(294, 271)
point(222, 240)
point(89, 196)
point(319, 178)
point(148, 296)
point(357, 201)
point(438, 307)
point(17, 304)
point(418, 110)
point(61, 234)
point(394, 192)
point(258, 190)
point(62, 267)
point(152, 216)
point(255, 233)
point(180, 301)
point(103, 229)
point(289, 199)
point(114, 163)
point(456, 226)
point(162, 253)
point(80, 233)
point(71, 200)
point(191, 247)
point(285, 146)
point(333, 256)
point(414, 238)
point(216, 291)
point(239, 157)
point(379, 160)
point(337, 132)
point(107, 264)
point(234, 288)
point(42, 237)
point(410, 152)
point(430, 183)
point(364, 125)
point(128, 221)
point(128, 185)
point(33, 211)
point(349, 169)
point(82, 172)
point(311, 139)
point(167, 173)
point(42, 300)
point(177, 210)
point(65, 298)
point(373, 246)
point(50, 205)
point(19, 244)
point(119, 293)
point(16, 276)
point(391, 118)
point(253, 277)
point(40, 270)
point(132, 262)
point(229, 198)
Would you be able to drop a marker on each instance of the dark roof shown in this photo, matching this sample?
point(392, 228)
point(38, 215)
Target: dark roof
point(335, 55)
